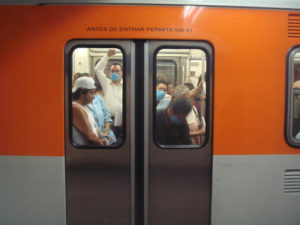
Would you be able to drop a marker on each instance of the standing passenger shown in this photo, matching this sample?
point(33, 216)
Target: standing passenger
point(84, 127)
point(102, 117)
point(112, 89)
point(172, 128)
point(170, 88)
point(194, 120)
point(162, 99)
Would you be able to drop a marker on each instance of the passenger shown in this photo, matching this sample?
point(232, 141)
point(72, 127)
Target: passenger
point(172, 128)
point(296, 83)
point(170, 88)
point(84, 130)
point(296, 103)
point(102, 117)
point(195, 121)
point(101, 114)
point(162, 99)
point(112, 89)
point(75, 77)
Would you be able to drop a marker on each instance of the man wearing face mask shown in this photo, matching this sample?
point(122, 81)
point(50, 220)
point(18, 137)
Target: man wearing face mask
point(112, 88)
point(172, 127)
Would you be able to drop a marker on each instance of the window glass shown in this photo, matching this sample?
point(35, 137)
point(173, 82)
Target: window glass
point(97, 97)
point(296, 97)
point(180, 97)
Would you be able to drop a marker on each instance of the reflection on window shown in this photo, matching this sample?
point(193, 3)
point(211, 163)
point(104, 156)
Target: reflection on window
point(180, 97)
point(97, 96)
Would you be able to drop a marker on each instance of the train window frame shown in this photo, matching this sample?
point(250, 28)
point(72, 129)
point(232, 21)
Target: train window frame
point(290, 94)
point(70, 63)
point(208, 73)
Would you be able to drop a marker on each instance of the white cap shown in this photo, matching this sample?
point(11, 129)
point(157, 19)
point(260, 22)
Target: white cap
point(84, 83)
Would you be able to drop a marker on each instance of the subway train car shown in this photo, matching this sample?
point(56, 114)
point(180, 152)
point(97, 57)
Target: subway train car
point(199, 119)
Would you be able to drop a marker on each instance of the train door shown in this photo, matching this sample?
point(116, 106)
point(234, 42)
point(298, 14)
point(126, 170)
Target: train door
point(152, 171)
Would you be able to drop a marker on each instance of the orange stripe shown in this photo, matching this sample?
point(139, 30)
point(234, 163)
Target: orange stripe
point(250, 50)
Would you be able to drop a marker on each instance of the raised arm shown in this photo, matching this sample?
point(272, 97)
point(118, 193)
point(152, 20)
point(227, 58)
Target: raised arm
point(196, 90)
point(100, 67)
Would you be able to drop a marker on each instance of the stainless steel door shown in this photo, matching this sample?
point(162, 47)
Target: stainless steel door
point(138, 182)
point(177, 180)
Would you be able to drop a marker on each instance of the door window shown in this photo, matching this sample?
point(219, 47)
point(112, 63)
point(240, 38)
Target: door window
point(180, 97)
point(97, 97)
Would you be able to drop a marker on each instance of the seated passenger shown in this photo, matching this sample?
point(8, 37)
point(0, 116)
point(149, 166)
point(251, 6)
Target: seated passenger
point(84, 129)
point(171, 125)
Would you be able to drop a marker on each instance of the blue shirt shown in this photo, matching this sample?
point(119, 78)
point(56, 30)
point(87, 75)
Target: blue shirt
point(101, 114)
point(163, 103)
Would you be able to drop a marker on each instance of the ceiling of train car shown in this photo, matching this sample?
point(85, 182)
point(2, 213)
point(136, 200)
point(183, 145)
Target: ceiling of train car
point(280, 4)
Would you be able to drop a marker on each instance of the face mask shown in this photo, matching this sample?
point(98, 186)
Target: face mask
point(160, 95)
point(174, 120)
point(115, 76)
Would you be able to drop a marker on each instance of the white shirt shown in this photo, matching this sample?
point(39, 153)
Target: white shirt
point(113, 94)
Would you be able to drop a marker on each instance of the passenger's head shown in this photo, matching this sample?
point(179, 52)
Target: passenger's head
point(115, 72)
point(75, 77)
point(161, 85)
point(170, 88)
point(161, 89)
point(179, 108)
point(181, 91)
point(78, 75)
point(84, 90)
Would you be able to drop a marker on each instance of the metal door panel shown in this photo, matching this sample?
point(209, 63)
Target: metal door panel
point(98, 181)
point(178, 181)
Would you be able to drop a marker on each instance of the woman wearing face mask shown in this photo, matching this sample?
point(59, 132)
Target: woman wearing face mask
point(171, 125)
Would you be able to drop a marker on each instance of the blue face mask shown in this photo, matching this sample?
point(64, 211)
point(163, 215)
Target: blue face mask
point(115, 76)
point(174, 120)
point(160, 95)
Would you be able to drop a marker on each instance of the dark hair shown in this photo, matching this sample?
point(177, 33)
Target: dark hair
point(97, 84)
point(76, 94)
point(115, 64)
point(160, 81)
point(181, 105)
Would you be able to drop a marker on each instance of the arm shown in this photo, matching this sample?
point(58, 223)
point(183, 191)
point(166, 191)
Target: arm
point(106, 128)
point(198, 132)
point(106, 117)
point(106, 113)
point(296, 84)
point(100, 66)
point(80, 121)
point(196, 90)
